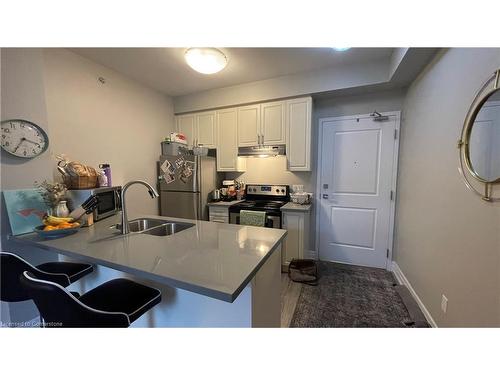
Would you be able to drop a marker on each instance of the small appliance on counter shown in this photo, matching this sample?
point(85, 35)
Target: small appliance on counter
point(215, 195)
point(108, 200)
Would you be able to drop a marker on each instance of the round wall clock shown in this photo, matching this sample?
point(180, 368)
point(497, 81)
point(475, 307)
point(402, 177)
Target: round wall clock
point(23, 138)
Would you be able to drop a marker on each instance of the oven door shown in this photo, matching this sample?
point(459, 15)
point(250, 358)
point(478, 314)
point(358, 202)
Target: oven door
point(272, 220)
point(109, 203)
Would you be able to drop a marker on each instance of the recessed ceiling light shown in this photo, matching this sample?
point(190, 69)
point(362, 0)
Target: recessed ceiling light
point(341, 49)
point(206, 60)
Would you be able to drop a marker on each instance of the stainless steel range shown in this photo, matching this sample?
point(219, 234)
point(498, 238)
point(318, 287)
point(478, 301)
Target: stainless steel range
point(268, 198)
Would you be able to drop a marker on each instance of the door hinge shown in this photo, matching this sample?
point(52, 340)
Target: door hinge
point(392, 195)
point(395, 133)
point(387, 254)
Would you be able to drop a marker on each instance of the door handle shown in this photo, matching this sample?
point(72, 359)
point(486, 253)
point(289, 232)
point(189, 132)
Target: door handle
point(325, 196)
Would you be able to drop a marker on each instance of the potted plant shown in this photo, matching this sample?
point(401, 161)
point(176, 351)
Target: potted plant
point(53, 194)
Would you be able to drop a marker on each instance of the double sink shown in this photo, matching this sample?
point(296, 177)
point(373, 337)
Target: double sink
point(157, 227)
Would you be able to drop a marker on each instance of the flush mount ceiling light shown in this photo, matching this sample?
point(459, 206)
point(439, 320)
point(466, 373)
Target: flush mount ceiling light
point(341, 49)
point(206, 60)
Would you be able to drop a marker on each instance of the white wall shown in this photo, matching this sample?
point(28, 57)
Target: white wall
point(272, 170)
point(447, 239)
point(120, 122)
point(300, 84)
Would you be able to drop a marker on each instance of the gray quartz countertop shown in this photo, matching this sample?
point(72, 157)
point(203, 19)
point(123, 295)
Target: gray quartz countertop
point(296, 207)
point(223, 203)
point(214, 259)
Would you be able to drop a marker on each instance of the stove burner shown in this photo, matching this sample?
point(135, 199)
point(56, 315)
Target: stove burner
point(261, 204)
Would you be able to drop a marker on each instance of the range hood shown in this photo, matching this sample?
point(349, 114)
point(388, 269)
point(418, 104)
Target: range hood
point(262, 151)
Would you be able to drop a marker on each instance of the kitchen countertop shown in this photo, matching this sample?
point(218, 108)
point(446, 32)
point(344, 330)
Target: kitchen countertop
point(224, 203)
point(296, 207)
point(214, 259)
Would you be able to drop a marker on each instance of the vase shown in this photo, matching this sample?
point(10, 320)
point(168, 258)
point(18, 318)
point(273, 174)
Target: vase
point(62, 210)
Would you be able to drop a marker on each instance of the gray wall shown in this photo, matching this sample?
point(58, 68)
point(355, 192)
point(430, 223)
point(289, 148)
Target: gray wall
point(22, 96)
point(121, 122)
point(447, 239)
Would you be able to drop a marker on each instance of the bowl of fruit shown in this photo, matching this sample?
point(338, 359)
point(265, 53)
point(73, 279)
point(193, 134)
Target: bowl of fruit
point(55, 227)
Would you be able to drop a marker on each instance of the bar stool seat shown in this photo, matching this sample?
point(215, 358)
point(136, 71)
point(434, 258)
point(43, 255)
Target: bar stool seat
point(12, 267)
point(122, 295)
point(116, 303)
point(74, 271)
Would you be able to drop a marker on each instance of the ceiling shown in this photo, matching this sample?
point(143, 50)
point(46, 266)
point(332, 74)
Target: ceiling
point(164, 69)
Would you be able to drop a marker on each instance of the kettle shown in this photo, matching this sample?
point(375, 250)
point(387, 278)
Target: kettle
point(215, 195)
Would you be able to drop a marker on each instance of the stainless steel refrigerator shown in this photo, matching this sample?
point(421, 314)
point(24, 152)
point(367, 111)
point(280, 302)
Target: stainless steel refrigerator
point(185, 183)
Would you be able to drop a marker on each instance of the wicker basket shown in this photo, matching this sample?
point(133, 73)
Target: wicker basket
point(80, 182)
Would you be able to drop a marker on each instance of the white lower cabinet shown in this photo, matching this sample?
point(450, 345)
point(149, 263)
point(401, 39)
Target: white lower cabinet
point(296, 244)
point(218, 214)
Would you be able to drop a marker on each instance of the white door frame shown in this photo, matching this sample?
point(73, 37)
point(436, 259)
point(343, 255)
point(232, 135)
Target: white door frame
point(397, 115)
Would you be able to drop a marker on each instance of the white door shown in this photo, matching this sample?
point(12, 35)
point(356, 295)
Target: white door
point(357, 160)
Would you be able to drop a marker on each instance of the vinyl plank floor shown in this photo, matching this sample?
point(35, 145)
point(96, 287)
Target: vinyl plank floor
point(290, 292)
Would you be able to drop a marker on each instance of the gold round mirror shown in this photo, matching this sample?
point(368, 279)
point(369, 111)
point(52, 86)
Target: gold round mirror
point(480, 141)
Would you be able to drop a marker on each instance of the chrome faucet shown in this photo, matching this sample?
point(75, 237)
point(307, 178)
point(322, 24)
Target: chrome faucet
point(124, 226)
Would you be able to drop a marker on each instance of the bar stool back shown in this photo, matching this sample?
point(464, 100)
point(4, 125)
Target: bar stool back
point(12, 267)
point(116, 303)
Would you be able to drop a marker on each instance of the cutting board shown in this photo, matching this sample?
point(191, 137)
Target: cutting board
point(25, 209)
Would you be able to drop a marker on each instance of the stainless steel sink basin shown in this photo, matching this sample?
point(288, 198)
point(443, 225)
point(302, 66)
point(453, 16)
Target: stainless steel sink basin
point(168, 229)
point(157, 227)
point(140, 225)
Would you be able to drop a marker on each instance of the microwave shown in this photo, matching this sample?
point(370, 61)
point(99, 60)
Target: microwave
point(109, 200)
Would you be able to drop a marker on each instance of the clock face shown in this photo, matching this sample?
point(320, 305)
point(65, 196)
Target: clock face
point(23, 138)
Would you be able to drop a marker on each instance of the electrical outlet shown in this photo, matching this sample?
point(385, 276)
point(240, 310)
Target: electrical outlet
point(444, 303)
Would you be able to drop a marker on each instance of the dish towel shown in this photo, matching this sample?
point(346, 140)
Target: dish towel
point(255, 218)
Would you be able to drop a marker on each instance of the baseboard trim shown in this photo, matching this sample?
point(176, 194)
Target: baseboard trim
point(401, 278)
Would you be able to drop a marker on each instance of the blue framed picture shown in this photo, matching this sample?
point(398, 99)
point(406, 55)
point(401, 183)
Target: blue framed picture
point(25, 209)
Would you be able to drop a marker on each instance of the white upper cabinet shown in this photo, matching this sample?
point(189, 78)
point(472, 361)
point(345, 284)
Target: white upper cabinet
point(273, 123)
point(298, 134)
point(249, 125)
point(186, 124)
point(206, 129)
point(227, 141)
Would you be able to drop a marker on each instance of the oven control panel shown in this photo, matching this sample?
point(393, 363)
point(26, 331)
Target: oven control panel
point(276, 190)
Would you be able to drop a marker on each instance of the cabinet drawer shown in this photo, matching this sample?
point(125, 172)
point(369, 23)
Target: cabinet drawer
point(219, 219)
point(215, 210)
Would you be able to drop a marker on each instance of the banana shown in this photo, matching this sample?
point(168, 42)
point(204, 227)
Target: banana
point(53, 220)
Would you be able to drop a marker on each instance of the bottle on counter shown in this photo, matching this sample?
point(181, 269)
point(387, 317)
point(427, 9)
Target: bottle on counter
point(62, 209)
point(106, 169)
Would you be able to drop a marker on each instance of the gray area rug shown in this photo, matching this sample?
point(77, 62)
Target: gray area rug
point(351, 296)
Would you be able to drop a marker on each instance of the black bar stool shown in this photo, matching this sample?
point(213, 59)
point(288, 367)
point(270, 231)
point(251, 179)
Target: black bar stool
point(12, 267)
point(116, 303)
